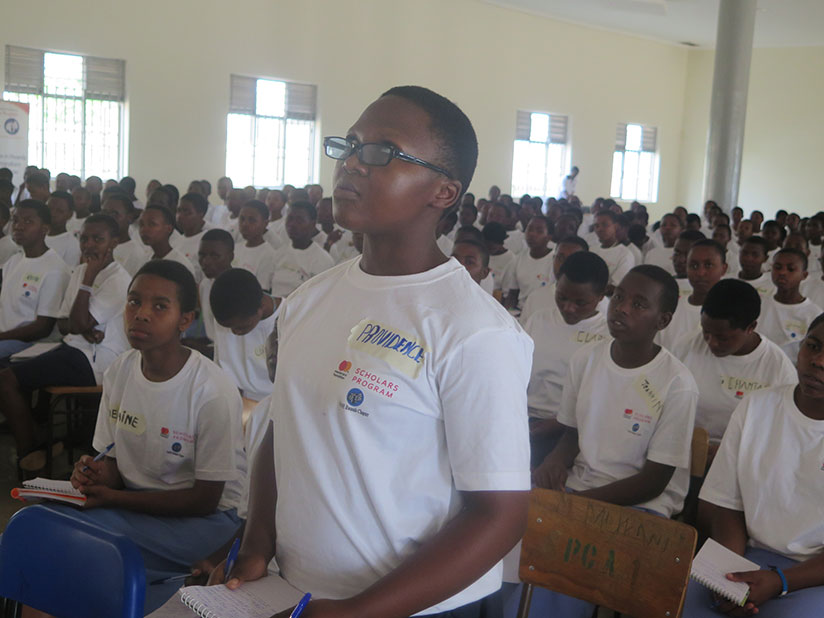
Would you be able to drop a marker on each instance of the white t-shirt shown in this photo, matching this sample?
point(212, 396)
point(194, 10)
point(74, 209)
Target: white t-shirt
point(636, 253)
point(260, 261)
point(276, 234)
point(294, 266)
point(344, 250)
point(685, 321)
point(190, 245)
point(243, 358)
point(777, 483)
point(204, 289)
point(131, 255)
point(625, 417)
point(497, 267)
point(8, 248)
point(445, 244)
point(177, 256)
point(169, 434)
point(515, 242)
point(619, 260)
point(387, 404)
point(74, 225)
point(527, 274)
point(252, 438)
point(66, 246)
point(763, 285)
point(724, 382)
point(812, 288)
point(106, 305)
point(219, 212)
point(660, 256)
point(787, 325)
point(555, 343)
point(32, 287)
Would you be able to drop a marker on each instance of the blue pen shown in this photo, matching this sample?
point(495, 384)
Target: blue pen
point(169, 580)
point(300, 606)
point(230, 560)
point(100, 456)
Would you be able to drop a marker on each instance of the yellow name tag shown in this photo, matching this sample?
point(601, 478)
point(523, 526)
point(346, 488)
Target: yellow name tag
point(743, 385)
point(647, 392)
point(403, 351)
point(130, 421)
point(582, 336)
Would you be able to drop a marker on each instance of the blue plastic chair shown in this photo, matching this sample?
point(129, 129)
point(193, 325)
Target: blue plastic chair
point(70, 568)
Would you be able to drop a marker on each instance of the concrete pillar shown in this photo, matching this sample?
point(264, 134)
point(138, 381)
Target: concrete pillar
point(728, 112)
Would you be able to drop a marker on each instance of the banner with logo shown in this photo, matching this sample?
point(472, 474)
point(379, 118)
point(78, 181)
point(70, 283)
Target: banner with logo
point(14, 138)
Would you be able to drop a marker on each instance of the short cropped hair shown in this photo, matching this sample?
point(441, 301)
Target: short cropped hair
point(757, 240)
point(799, 254)
point(471, 207)
point(38, 179)
point(575, 240)
point(481, 246)
point(693, 218)
point(305, 206)
point(470, 230)
point(550, 227)
point(667, 283)
point(235, 293)
point(178, 274)
point(673, 216)
point(586, 267)
point(172, 192)
point(42, 211)
point(198, 202)
point(106, 220)
point(707, 242)
point(609, 214)
point(219, 235)
point(816, 322)
point(451, 127)
point(692, 235)
point(167, 214)
point(733, 300)
point(261, 208)
point(778, 226)
point(65, 196)
point(128, 184)
point(122, 199)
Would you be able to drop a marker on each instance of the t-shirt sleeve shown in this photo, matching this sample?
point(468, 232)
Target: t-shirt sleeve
point(50, 300)
point(218, 431)
point(108, 301)
point(721, 484)
point(671, 442)
point(483, 398)
point(104, 428)
point(572, 384)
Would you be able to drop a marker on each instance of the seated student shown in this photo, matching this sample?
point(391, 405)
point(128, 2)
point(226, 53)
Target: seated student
point(500, 257)
point(670, 229)
point(90, 317)
point(254, 253)
point(37, 185)
point(61, 241)
point(706, 266)
point(217, 251)
point(275, 231)
point(786, 316)
point(774, 235)
point(693, 222)
point(468, 215)
point(565, 226)
point(302, 259)
point(156, 226)
point(813, 286)
point(244, 317)
point(409, 555)
point(191, 213)
point(752, 257)
point(744, 231)
point(500, 212)
point(558, 330)
point(82, 200)
point(722, 234)
point(680, 251)
point(728, 358)
point(33, 282)
point(622, 224)
point(619, 259)
point(130, 254)
point(172, 488)
point(762, 495)
point(471, 234)
point(331, 235)
point(544, 296)
point(624, 444)
point(7, 245)
point(531, 269)
point(474, 256)
point(346, 250)
point(234, 202)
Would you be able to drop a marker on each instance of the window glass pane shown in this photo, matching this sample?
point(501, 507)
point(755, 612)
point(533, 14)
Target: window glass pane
point(617, 172)
point(539, 128)
point(270, 98)
point(629, 190)
point(63, 135)
point(268, 152)
point(555, 166)
point(634, 132)
point(240, 148)
point(102, 139)
point(63, 74)
point(646, 170)
point(35, 102)
point(299, 149)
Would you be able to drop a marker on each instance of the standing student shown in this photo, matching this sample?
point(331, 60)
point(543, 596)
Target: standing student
point(156, 226)
point(762, 496)
point(172, 488)
point(129, 253)
point(302, 259)
point(670, 229)
point(63, 242)
point(191, 218)
point(254, 253)
point(558, 331)
point(531, 269)
point(706, 266)
point(90, 318)
point(619, 259)
point(786, 316)
point(629, 408)
point(437, 411)
point(33, 282)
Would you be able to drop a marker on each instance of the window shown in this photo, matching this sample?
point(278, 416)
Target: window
point(270, 133)
point(75, 110)
point(635, 163)
point(541, 154)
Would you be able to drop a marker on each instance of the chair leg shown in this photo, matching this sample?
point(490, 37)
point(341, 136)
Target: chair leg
point(526, 601)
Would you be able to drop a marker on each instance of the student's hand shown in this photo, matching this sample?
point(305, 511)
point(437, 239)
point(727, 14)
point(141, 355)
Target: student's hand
point(248, 568)
point(551, 474)
point(94, 264)
point(94, 336)
point(201, 571)
point(331, 238)
point(98, 496)
point(764, 585)
point(87, 471)
point(322, 608)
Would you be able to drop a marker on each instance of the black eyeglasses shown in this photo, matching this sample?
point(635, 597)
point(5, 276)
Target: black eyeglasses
point(373, 154)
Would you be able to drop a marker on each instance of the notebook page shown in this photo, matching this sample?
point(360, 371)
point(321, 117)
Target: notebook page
point(62, 487)
point(711, 565)
point(257, 599)
point(34, 351)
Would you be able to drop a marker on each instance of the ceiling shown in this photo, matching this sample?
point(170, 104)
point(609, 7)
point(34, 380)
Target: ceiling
point(779, 23)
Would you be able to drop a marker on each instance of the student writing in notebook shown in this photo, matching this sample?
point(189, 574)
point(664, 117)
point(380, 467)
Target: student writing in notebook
point(398, 474)
point(763, 494)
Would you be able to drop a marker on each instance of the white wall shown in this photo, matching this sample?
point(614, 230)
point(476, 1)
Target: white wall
point(784, 143)
point(490, 60)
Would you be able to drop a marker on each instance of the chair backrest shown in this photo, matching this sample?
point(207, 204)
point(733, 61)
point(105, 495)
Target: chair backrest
point(70, 568)
point(618, 557)
point(700, 452)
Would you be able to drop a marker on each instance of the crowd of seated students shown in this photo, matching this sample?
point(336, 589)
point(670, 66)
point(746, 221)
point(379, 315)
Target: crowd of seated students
point(641, 332)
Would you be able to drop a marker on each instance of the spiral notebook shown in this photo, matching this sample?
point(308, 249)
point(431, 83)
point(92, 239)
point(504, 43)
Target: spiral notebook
point(710, 568)
point(59, 491)
point(257, 599)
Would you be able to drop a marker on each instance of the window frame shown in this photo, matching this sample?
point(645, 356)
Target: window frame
point(648, 145)
point(557, 134)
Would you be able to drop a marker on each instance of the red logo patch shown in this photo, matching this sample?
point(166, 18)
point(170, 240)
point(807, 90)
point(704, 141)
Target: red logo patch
point(628, 412)
point(344, 366)
point(164, 431)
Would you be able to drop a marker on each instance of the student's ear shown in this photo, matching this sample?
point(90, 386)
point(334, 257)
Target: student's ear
point(751, 328)
point(664, 318)
point(186, 320)
point(448, 194)
point(726, 267)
